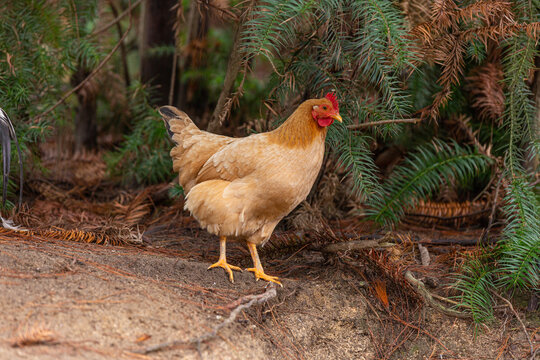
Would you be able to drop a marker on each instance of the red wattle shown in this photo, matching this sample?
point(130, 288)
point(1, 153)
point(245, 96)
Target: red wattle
point(326, 121)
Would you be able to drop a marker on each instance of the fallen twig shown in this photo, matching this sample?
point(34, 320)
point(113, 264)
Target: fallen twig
point(428, 298)
point(520, 321)
point(416, 239)
point(254, 299)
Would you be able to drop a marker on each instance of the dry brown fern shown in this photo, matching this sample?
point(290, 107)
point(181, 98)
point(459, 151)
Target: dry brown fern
point(138, 207)
point(486, 89)
point(456, 214)
point(445, 37)
point(416, 11)
point(462, 132)
point(78, 236)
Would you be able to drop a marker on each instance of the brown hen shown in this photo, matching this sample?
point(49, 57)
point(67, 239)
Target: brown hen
point(241, 188)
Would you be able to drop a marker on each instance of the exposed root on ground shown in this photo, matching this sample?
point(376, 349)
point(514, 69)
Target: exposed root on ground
point(428, 298)
point(253, 299)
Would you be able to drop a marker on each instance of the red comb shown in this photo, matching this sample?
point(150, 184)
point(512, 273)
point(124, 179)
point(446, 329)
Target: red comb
point(332, 97)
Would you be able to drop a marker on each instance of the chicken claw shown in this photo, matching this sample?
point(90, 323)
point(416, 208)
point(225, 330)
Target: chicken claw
point(222, 262)
point(261, 275)
point(258, 269)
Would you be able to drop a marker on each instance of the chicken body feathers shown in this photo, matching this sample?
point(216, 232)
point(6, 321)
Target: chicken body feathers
point(240, 187)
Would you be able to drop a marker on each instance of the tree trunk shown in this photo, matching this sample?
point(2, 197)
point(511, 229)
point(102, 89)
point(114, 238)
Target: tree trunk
point(197, 25)
point(223, 106)
point(123, 51)
point(85, 119)
point(157, 25)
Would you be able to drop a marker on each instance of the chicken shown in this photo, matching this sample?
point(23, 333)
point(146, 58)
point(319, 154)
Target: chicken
point(240, 188)
point(7, 134)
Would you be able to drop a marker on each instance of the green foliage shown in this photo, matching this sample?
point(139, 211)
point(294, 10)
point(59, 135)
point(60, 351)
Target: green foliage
point(422, 174)
point(273, 24)
point(176, 191)
point(362, 50)
point(354, 155)
point(519, 255)
point(143, 157)
point(384, 51)
point(518, 263)
point(41, 43)
point(519, 115)
point(359, 49)
point(475, 283)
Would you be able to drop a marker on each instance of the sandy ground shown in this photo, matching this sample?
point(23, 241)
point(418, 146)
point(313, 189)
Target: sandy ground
point(91, 301)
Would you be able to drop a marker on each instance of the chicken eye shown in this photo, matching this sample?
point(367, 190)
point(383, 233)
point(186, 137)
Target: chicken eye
point(324, 107)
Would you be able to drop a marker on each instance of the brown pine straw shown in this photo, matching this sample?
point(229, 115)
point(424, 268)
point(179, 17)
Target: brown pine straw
point(511, 307)
point(34, 335)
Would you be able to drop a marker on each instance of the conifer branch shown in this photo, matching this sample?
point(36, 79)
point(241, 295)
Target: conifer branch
point(92, 74)
point(383, 122)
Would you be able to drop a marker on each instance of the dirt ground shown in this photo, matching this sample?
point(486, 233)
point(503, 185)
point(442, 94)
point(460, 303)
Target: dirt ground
point(89, 301)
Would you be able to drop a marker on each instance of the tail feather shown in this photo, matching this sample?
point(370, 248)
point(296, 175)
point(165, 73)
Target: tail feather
point(174, 117)
point(193, 146)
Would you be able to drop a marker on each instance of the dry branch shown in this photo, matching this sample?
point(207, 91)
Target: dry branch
point(117, 19)
point(487, 92)
point(397, 237)
point(428, 298)
point(95, 71)
point(123, 50)
point(253, 299)
point(356, 245)
point(382, 122)
point(224, 103)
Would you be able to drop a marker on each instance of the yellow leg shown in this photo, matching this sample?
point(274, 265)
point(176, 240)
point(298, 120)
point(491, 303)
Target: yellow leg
point(258, 269)
point(222, 262)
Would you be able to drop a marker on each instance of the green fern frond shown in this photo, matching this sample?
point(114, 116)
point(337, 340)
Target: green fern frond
point(176, 191)
point(143, 157)
point(353, 154)
point(519, 262)
point(422, 174)
point(384, 51)
point(474, 282)
point(272, 26)
point(519, 115)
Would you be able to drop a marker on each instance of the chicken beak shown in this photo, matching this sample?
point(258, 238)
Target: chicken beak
point(337, 117)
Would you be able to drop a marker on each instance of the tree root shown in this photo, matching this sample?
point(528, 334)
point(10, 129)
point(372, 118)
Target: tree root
point(357, 245)
point(428, 297)
point(253, 299)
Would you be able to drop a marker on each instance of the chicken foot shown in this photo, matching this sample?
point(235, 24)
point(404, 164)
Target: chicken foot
point(222, 262)
point(258, 269)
